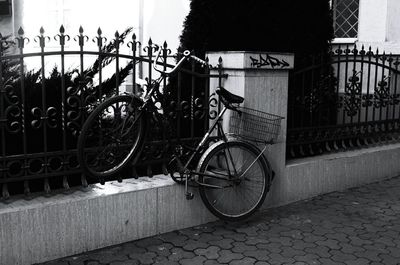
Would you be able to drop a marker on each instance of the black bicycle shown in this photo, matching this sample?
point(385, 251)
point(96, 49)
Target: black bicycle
point(233, 175)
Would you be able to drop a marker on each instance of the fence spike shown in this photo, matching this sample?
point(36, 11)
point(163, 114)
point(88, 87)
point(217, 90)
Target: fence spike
point(84, 181)
point(164, 169)
point(65, 183)
point(4, 191)
point(150, 42)
point(21, 31)
point(62, 29)
point(80, 30)
point(46, 186)
point(27, 190)
point(133, 36)
point(41, 30)
point(99, 32)
point(165, 45)
point(149, 171)
point(134, 173)
point(116, 34)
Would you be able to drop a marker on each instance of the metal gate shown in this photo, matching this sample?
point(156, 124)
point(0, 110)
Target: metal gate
point(346, 99)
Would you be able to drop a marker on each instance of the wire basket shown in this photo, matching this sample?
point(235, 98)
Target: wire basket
point(255, 125)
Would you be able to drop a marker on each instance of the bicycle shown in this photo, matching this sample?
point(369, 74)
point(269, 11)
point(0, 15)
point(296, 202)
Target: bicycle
point(233, 175)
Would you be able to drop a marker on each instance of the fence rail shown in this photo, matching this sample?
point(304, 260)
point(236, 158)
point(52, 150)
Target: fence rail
point(43, 109)
point(347, 99)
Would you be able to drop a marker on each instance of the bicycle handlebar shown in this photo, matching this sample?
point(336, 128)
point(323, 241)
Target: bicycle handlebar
point(186, 55)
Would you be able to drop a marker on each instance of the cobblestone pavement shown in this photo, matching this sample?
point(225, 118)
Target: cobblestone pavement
point(357, 226)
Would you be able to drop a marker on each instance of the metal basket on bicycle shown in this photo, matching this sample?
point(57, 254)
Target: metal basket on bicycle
point(255, 125)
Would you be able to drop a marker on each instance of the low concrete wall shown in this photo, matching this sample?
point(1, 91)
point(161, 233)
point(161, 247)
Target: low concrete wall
point(309, 177)
point(43, 228)
point(47, 228)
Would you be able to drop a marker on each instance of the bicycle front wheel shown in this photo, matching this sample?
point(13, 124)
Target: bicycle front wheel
point(111, 136)
point(236, 179)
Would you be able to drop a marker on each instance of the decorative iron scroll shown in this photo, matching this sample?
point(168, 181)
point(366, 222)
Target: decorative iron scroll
point(361, 106)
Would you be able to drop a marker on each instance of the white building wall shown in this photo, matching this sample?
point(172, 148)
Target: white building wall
point(379, 25)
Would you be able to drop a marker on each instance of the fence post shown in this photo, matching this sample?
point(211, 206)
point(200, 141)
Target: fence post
point(262, 79)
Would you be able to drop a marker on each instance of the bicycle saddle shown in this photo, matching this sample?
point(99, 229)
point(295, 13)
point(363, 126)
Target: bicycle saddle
point(228, 96)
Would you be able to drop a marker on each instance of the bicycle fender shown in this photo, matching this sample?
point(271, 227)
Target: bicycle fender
point(213, 146)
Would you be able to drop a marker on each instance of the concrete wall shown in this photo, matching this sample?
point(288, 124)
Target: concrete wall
point(47, 228)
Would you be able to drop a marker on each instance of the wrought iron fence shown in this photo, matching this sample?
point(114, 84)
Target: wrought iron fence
point(42, 111)
point(347, 99)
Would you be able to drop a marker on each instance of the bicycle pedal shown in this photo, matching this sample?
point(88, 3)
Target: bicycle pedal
point(189, 196)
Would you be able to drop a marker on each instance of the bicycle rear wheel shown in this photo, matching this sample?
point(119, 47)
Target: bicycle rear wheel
point(243, 178)
point(111, 136)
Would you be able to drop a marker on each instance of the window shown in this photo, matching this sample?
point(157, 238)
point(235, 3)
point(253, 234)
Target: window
point(5, 7)
point(345, 18)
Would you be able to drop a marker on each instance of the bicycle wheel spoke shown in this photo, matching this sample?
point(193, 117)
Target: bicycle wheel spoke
point(109, 137)
point(246, 174)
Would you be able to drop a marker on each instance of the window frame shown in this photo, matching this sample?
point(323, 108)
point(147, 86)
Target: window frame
point(344, 39)
point(6, 4)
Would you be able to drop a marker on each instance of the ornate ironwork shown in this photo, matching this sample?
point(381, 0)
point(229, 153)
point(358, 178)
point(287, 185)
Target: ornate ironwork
point(359, 106)
point(352, 95)
point(41, 114)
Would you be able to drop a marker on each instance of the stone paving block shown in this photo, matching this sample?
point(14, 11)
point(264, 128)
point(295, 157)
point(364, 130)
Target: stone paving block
point(340, 237)
point(357, 241)
point(244, 261)
point(290, 252)
point(251, 241)
point(258, 254)
point(178, 254)
point(238, 237)
point(359, 261)
point(329, 243)
point(262, 263)
point(226, 256)
point(240, 247)
point(161, 250)
point(143, 258)
point(370, 255)
point(208, 237)
point(311, 238)
point(223, 243)
point(321, 251)
point(389, 260)
point(191, 245)
point(193, 261)
point(271, 247)
point(209, 253)
point(283, 240)
point(308, 258)
point(341, 257)
point(350, 249)
point(276, 258)
point(126, 262)
point(394, 252)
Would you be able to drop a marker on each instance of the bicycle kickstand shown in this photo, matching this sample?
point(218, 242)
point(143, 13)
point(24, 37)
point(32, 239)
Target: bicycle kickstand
point(189, 195)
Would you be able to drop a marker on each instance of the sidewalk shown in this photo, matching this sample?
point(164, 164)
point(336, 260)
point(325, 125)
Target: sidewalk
point(357, 226)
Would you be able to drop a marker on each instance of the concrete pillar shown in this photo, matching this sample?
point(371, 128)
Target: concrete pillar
point(262, 79)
